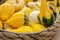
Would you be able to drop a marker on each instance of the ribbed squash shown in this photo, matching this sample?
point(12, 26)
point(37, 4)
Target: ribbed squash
point(17, 20)
point(6, 10)
point(47, 15)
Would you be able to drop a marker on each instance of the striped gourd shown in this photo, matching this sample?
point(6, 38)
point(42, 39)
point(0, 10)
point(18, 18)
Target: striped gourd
point(17, 20)
point(47, 15)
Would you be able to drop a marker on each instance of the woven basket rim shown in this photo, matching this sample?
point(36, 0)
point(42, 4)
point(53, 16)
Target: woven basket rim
point(25, 33)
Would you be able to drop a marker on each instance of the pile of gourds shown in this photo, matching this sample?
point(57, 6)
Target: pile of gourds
point(26, 16)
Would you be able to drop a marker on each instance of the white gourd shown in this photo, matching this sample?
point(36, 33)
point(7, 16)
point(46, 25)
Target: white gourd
point(33, 17)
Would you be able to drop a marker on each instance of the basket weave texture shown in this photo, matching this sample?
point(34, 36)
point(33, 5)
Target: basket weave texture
point(44, 35)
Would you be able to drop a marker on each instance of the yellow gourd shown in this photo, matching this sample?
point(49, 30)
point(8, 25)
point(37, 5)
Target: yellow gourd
point(16, 21)
point(18, 4)
point(1, 26)
point(23, 29)
point(6, 10)
point(37, 27)
point(47, 15)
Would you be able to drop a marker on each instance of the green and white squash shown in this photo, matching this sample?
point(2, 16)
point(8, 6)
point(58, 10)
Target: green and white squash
point(17, 20)
point(33, 17)
point(47, 15)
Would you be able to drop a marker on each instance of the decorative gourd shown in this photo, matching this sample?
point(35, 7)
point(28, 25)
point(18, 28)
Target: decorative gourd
point(47, 15)
point(18, 4)
point(23, 29)
point(27, 11)
point(1, 25)
point(31, 5)
point(17, 20)
point(6, 10)
point(34, 5)
point(37, 27)
point(33, 17)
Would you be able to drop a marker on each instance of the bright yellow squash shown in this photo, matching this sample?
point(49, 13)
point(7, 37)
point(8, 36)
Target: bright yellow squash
point(37, 27)
point(1, 26)
point(6, 10)
point(16, 21)
point(23, 29)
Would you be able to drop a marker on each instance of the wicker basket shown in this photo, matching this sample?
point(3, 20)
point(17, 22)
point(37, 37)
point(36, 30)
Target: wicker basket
point(43, 35)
